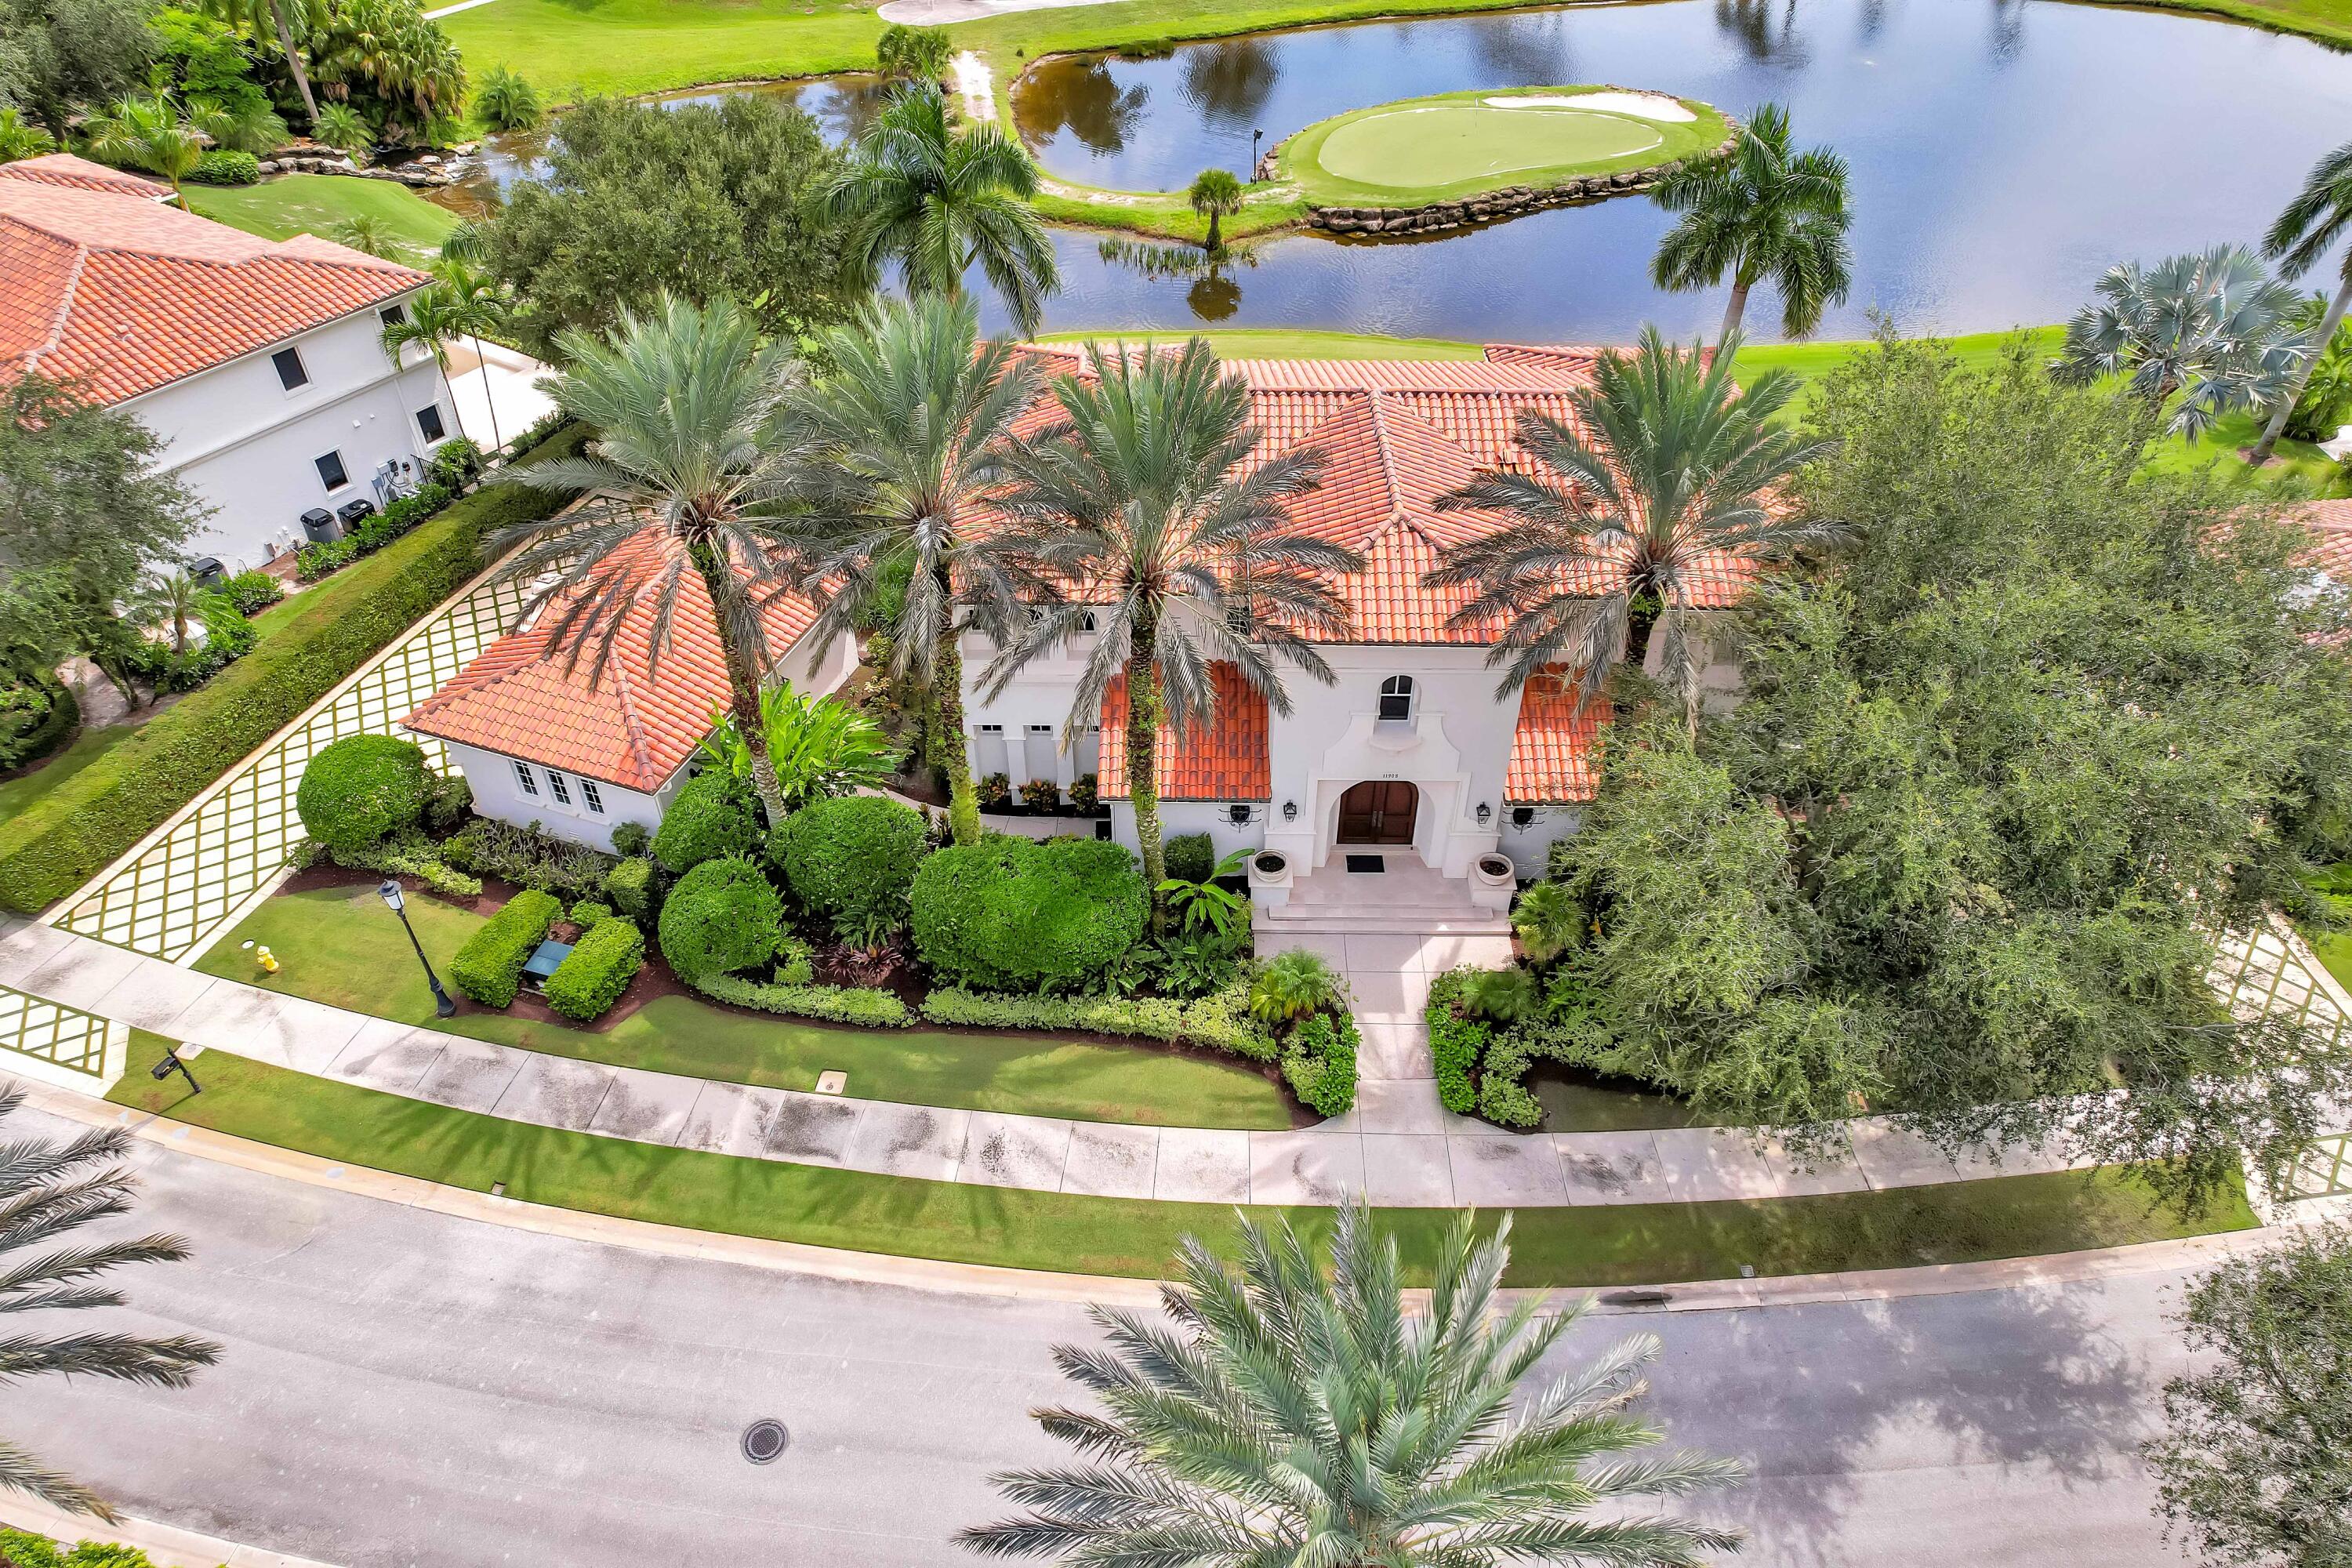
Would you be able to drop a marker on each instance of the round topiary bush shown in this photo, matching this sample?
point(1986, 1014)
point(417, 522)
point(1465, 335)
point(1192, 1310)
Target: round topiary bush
point(851, 860)
point(712, 816)
point(1006, 914)
point(722, 916)
point(361, 791)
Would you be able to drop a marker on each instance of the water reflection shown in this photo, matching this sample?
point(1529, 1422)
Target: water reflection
point(1088, 104)
point(1230, 81)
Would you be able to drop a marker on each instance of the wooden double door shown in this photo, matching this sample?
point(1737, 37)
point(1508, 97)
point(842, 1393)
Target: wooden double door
point(1379, 811)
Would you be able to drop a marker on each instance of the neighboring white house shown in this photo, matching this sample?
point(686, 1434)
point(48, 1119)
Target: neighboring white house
point(257, 361)
point(544, 736)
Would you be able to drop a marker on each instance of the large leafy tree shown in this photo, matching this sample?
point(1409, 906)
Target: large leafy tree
point(49, 1190)
point(685, 400)
point(935, 200)
point(270, 18)
point(388, 55)
point(2004, 773)
point(698, 202)
point(1663, 467)
point(58, 56)
point(2213, 327)
point(84, 516)
point(1767, 212)
point(1292, 1413)
point(1146, 499)
point(907, 430)
point(2256, 1458)
point(2313, 223)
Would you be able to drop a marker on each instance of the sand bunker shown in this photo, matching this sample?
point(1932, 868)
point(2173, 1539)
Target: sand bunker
point(1647, 105)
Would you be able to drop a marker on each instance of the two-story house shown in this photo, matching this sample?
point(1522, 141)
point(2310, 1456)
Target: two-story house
point(258, 362)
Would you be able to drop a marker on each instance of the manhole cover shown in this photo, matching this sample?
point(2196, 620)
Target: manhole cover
point(764, 1439)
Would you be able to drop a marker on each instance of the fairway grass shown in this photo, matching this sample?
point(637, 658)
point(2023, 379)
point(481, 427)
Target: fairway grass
point(964, 1222)
point(290, 204)
point(339, 946)
point(1417, 151)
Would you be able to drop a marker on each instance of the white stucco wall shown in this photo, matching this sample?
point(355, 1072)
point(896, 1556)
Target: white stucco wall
point(1178, 816)
point(246, 446)
point(1030, 713)
point(499, 793)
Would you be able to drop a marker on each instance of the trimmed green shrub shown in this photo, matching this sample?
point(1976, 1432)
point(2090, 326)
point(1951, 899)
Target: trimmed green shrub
point(224, 166)
point(85, 824)
point(1221, 1021)
point(630, 838)
point(1189, 858)
point(587, 913)
point(1319, 1064)
point(598, 969)
point(1007, 914)
point(253, 592)
point(447, 804)
point(722, 916)
point(833, 1003)
point(795, 961)
point(489, 968)
point(1455, 1042)
point(36, 718)
point(711, 818)
point(851, 860)
point(630, 887)
point(363, 789)
point(24, 1550)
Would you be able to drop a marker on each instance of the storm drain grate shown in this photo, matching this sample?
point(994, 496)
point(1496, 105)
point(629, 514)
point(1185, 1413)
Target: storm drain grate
point(764, 1439)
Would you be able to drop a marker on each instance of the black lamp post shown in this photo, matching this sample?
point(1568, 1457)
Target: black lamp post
point(172, 1063)
point(390, 892)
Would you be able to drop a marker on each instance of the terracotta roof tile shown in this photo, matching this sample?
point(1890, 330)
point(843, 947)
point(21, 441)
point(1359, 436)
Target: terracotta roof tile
point(2331, 521)
point(65, 169)
point(1223, 759)
point(1555, 751)
point(102, 285)
point(637, 725)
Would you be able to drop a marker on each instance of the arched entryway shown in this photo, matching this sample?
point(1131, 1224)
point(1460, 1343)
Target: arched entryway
point(1379, 811)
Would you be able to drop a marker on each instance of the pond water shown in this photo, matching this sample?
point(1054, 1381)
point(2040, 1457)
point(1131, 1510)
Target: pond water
point(2004, 154)
point(1574, 1100)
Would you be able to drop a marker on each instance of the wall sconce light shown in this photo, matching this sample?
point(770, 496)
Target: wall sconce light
point(1239, 813)
point(1290, 811)
point(1486, 814)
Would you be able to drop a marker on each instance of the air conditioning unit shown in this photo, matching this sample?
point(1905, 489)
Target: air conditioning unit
point(319, 526)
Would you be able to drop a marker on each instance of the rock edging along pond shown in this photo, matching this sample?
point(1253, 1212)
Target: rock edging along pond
point(1508, 202)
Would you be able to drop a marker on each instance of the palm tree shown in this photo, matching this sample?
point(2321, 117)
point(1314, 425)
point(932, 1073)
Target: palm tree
point(149, 134)
point(460, 301)
point(1144, 498)
point(47, 1189)
point(1761, 212)
point(2309, 227)
point(1662, 466)
point(1292, 1415)
point(254, 15)
point(819, 746)
point(339, 125)
point(908, 428)
point(687, 401)
point(20, 139)
point(935, 200)
point(175, 597)
point(2214, 325)
point(1216, 196)
point(369, 234)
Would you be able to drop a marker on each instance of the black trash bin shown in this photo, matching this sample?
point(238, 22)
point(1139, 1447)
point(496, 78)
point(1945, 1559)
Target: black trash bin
point(351, 512)
point(320, 524)
point(206, 570)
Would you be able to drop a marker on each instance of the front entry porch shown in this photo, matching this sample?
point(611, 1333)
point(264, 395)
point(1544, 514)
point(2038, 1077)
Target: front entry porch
point(1404, 895)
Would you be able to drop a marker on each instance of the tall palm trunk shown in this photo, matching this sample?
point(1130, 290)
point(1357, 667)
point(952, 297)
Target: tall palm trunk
point(1144, 712)
point(294, 59)
point(949, 750)
point(1216, 237)
point(2286, 410)
point(1738, 308)
point(482, 366)
point(743, 682)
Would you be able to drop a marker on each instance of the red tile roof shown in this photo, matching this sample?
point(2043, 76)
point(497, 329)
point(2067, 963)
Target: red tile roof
point(637, 726)
point(1223, 759)
point(2331, 521)
point(102, 285)
point(1555, 751)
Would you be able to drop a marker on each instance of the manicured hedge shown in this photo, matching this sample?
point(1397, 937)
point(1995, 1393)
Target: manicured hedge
point(1455, 1043)
point(1189, 858)
point(722, 916)
point(363, 789)
point(851, 861)
point(1220, 1021)
point(833, 1003)
point(489, 968)
point(224, 166)
point(712, 818)
point(74, 832)
point(1007, 914)
point(598, 969)
point(36, 718)
point(630, 886)
point(1319, 1064)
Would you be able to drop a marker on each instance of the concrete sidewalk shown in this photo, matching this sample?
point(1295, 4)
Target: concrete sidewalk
point(1397, 1148)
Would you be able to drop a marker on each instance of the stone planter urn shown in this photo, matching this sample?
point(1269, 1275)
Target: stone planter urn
point(1269, 879)
point(1493, 881)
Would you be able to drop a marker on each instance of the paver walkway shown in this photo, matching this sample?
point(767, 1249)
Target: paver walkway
point(1396, 1148)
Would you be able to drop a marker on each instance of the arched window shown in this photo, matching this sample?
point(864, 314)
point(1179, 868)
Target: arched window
point(1396, 700)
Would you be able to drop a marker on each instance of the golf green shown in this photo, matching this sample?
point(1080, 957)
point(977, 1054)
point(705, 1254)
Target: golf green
point(1440, 143)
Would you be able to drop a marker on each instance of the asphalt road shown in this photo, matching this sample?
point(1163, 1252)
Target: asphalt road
point(404, 1389)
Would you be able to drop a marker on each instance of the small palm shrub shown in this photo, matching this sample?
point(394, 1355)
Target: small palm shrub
point(914, 53)
point(361, 790)
point(504, 102)
point(711, 818)
point(339, 126)
point(1293, 984)
point(850, 861)
point(722, 916)
point(1546, 919)
point(1503, 996)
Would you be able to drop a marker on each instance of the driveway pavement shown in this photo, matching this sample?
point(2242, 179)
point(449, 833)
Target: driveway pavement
point(403, 1388)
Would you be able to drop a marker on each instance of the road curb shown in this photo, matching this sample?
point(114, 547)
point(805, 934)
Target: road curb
point(938, 1277)
point(166, 1545)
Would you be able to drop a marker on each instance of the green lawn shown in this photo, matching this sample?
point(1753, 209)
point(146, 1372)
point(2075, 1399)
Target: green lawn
point(314, 204)
point(1607, 1245)
point(340, 946)
point(18, 794)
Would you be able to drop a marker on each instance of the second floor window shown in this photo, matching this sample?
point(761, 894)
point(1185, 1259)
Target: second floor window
point(291, 373)
point(1396, 700)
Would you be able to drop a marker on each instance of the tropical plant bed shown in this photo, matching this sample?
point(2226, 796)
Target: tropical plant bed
point(336, 943)
point(1598, 1244)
